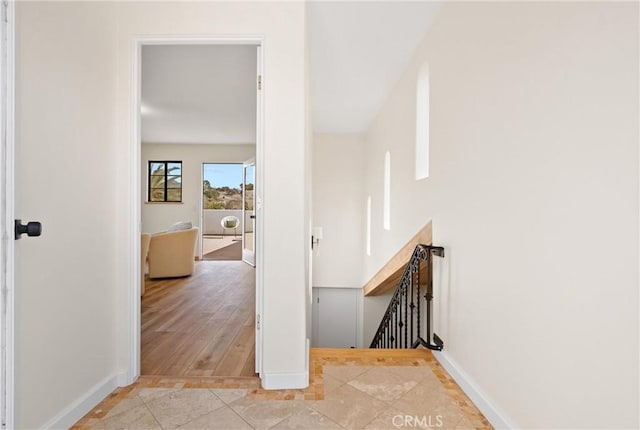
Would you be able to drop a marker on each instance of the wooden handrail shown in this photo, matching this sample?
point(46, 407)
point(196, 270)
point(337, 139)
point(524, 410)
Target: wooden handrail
point(388, 276)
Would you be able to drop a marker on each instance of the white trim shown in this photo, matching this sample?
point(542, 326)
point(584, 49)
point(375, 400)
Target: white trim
point(496, 417)
point(7, 164)
point(288, 380)
point(259, 187)
point(133, 371)
point(285, 380)
point(201, 210)
point(307, 357)
point(79, 408)
point(186, 39)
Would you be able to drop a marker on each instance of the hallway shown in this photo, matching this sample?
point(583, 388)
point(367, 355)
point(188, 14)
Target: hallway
point(349, 389)
point(202, 325)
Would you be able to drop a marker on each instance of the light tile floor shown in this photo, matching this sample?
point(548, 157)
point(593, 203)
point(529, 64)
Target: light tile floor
point(346, 392)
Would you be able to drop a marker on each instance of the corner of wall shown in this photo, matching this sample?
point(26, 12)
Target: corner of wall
point(496, 417)
point(81, 406)
point(288, 380)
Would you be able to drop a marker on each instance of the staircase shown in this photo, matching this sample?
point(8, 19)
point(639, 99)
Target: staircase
point(410, 306)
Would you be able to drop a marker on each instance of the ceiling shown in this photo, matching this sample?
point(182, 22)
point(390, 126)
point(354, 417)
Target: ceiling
point(198, 94)
point(206, 93)
point(358, 52)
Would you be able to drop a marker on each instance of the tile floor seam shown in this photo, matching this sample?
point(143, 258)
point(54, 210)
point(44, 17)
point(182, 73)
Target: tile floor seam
point(152, 415)
point(222, 405)
point(374, 418)
point(330, 419)
point(240, 416)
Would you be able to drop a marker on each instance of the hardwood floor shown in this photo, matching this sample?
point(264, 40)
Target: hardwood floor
point(202, 325)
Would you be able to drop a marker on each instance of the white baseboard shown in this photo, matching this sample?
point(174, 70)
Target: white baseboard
point(79, 408)
point(496, 417)
point(288, 380)
point(285, 380)
point(124, 378)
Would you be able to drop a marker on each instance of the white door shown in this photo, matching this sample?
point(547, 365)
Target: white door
point(335, 317)
point(248, 213)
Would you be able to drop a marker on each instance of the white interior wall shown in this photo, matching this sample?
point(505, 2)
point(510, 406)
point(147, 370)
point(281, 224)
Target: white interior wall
point(158, 217)
point(338, 207)
point(534, 194)
point(74, 101)
point(373, 308)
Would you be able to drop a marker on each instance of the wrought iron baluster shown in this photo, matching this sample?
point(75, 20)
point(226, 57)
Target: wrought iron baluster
point(397, 326)
point(394, 326)
point(386, 335)
point(429, 295)
point(419, 301)
point(411, 307)
point(399, 305)
point(406, 309)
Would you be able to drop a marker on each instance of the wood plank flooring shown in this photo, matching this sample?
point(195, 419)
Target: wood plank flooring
point(202, 325)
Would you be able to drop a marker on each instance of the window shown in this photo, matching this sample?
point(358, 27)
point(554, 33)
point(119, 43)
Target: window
point(165, 181)
point(422, 123)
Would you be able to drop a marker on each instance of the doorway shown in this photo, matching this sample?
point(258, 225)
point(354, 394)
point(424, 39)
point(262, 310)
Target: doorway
point(249, 212)
point(203, 347)
point(222, 211)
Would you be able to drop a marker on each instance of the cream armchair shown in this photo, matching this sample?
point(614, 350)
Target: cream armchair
point(145, 238)
point(172, 254)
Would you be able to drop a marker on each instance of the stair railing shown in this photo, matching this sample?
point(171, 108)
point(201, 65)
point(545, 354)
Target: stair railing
point(401, 324)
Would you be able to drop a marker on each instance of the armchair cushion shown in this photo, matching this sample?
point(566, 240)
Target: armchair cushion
point(182, 225)
point(144, 251)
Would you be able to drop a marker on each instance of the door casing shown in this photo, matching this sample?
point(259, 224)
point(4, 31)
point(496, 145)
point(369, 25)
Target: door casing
point(7, 163)
point(133, 371)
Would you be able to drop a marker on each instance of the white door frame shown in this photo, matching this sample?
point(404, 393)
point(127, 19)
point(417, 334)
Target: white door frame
point(7, 131)
point(136, 198)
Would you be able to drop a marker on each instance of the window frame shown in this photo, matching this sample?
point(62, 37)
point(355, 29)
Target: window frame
point(166, 180)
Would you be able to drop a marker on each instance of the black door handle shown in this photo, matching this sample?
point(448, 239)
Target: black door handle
point(33, 228)
point(252, 216)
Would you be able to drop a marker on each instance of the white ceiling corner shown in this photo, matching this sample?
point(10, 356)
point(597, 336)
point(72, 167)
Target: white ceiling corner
point(358, 52)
